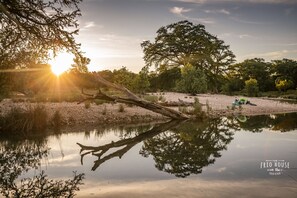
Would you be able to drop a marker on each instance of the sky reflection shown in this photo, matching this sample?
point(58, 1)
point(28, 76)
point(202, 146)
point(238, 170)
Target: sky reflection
point(236, 170)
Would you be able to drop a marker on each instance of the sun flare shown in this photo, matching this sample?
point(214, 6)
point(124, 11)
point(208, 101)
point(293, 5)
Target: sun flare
point(61, 63)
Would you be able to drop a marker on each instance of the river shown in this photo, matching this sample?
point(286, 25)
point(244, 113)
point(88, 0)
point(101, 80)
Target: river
point(226, 157)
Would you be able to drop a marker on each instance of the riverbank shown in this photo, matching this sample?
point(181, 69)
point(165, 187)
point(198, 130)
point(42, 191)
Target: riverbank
point(107, 114)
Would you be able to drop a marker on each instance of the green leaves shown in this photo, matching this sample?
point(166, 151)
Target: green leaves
point(29, 29)
point(183, 43)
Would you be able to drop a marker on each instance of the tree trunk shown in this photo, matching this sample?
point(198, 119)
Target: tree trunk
point(130, 98)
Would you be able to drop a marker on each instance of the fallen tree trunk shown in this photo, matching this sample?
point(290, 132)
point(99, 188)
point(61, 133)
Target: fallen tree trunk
point(130, 98)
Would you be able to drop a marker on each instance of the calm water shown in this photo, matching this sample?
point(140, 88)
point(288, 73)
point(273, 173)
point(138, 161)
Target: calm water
point(226, 157)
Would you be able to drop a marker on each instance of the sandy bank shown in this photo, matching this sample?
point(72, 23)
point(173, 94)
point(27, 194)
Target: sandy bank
point(77, 114)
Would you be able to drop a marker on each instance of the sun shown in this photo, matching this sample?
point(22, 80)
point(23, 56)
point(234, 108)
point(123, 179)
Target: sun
point(61, 63)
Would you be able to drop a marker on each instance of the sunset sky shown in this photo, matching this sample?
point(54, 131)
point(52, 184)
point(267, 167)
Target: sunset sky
point(111, 30)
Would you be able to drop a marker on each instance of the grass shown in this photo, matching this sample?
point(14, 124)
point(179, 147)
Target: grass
point(195, 110)
point(154, 98)
point(26, 122)
point(57, 120)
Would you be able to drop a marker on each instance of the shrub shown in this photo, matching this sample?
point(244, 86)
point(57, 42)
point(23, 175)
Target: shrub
point(283, 84)
point(87, 104)
point(57, 120)
point(193, 81)
point(251, 87)
point(24, 122)
point(197, 109)
point(104, 110)
point(121, 108)
point(151, 98)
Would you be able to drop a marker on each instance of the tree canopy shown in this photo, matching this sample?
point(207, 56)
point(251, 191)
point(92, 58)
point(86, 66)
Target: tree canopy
point(183, 43)
point(32, 28)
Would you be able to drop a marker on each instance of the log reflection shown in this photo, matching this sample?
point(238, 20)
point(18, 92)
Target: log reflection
point(128, 143)
point(179, 148)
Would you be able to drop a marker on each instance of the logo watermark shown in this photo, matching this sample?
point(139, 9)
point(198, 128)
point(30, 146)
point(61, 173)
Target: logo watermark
point(275, 167)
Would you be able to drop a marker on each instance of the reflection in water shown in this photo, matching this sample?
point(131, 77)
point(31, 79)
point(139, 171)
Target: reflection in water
point(126, 143)
point(185, 148)
point(178, 148)
point(278, 122)
point(17, 158)
point(188, 148)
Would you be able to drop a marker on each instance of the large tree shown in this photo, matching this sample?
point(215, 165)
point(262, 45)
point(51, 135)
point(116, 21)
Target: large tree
point(32, 28)
point(255, 68)
point(286, 69)
point(184, 43)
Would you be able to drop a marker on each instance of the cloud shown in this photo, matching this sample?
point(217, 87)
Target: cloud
point(179, 10)
point(89, 24)
point(247, 21)
point(240, 1)
point(272, 55)
point(222, 11)
point(242, 36)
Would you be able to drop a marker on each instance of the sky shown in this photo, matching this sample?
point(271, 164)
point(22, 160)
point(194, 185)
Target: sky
point(111, 31)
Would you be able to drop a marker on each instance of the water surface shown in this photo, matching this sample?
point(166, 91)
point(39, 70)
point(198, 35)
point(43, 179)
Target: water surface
point(225, 157)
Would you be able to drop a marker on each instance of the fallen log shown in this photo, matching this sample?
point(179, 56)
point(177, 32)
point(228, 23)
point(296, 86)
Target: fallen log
point(179, 103)
point(130, 98)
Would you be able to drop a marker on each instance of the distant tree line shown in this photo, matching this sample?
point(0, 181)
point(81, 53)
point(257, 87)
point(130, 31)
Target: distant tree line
point(186, 58)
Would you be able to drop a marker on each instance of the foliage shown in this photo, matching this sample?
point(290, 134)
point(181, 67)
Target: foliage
point(197, 109)
point(188, 148)
point(124, 77)
point(141, 82)
point(121, 108)
point(19, 122)
point(283, 84)
point(257, 69)
point(232, 85)
point(21, 156)
point(251, 87)
point(183, 43)
point(87, 104)
point(57, 120)
point(193, 80)
point(286, 69)
point(104, 110)
point(30, 29)
point(151, 98)
point(164, 79)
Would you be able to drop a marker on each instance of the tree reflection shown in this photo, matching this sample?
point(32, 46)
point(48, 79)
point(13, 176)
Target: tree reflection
point(278, 122)
point(178, 148)
point(17, 158)
point(185, 148)
point(126, 143)
point(188, 148)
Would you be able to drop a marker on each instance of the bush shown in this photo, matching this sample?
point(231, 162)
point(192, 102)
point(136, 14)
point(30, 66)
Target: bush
point(283, 84)
point(24, 122)
point(151, 98)
point(196, 110)
point(251, 87)
point(104, 110)
point(193, 81)
point(87, 104)
point(121, 108)
point(57, 120)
